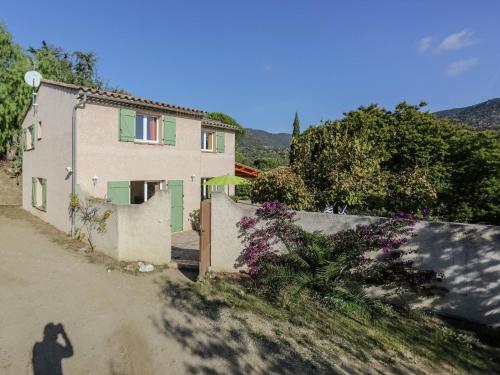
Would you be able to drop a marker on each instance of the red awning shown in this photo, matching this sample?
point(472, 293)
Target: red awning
point(243, 170)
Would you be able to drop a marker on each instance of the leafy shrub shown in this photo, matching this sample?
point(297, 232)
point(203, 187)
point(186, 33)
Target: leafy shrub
point(283, 185)
point(287, 261)
point(242, 192)
point(265, 163)
point(92, 215)
point(194, 219)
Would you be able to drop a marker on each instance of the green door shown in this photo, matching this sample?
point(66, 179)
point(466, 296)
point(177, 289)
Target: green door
point(175, 187)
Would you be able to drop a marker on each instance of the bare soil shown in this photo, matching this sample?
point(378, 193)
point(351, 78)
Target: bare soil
point(122, 322)
point(118, 323)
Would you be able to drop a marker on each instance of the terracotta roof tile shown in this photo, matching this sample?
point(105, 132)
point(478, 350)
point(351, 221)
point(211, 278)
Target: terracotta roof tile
point(217, 124)
point(129, 98)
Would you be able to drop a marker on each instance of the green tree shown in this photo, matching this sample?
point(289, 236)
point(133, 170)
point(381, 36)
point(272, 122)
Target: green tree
point(265, 163)
point(295, 134)
point(52, 62)
point(283, 185)
point(14, 93)
point(473, 191)
point(296, 126)
point(85, 68)
point(222, 117)
point(339, 168)
point(78, 67)
point(379, 160)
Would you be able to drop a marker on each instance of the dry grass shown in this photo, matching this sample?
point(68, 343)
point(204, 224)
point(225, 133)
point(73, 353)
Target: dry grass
point(396, 342)
point(10, 190)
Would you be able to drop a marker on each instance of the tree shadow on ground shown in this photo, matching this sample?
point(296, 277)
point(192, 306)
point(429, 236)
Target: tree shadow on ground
point(221, 344)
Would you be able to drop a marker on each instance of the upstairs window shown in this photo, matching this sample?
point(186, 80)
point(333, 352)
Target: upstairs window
point(146, 128)
point(207, 140)
point(39, 130)
point(29, 138)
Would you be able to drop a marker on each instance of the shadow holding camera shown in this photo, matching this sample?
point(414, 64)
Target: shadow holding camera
point(49, 353)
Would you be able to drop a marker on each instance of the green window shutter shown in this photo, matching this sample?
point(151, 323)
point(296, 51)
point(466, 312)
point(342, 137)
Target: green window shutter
point(169, 130)
point(127, 125)
point(119, 192)
point(176, 190)
point(33, 191)
point(44, 194)
point(221, 145)
point(33, 137)
point(24, 140)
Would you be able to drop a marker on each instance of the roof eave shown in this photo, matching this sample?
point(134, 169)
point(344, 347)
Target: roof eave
point(103, 99)
point(129, 100)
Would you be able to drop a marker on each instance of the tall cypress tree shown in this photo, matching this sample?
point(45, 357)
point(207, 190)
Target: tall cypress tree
point(295, 134)
point(296, 126)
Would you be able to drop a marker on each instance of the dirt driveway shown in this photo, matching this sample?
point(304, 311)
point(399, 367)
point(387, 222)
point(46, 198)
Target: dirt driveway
point(117, 323)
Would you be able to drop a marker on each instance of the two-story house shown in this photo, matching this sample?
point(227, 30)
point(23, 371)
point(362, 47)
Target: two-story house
point(119, 147)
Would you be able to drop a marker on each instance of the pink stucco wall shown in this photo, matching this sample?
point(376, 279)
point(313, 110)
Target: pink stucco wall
point(52, 154)
point(101, 154)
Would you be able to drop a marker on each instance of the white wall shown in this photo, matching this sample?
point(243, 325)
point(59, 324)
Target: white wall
point(138, 232)
point(467, 254)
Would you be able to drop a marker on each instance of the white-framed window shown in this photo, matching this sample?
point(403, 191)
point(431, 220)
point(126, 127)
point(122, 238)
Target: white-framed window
point(30, 137)
point(39, 130)
point(141, 191)
point(207, 140)
point(147, 128)
point(39, 193)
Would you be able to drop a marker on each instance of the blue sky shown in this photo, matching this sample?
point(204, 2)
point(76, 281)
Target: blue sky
point(260, 61)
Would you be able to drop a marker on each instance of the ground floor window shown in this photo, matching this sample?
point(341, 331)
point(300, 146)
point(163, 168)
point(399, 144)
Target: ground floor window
point(39, 193)
point(141, 191)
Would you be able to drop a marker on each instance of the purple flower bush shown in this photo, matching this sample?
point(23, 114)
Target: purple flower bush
point(329, 265)
point(272, 222)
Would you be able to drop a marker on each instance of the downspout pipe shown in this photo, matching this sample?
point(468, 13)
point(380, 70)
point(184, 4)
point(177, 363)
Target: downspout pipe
point(81, 104)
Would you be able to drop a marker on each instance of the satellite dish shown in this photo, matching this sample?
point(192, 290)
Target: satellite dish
point(33, 78)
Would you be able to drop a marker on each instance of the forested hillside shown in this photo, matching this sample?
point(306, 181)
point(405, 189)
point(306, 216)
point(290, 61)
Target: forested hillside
point(481, 116)
point(261, 147)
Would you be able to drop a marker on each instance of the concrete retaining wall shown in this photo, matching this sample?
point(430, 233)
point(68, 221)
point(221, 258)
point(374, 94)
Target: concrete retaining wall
point(467, 254)
point(137, 232)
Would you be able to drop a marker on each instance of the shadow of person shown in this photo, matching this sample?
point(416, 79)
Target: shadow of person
point(48, 353)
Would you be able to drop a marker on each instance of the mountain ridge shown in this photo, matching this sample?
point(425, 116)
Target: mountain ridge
point(481, 116)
